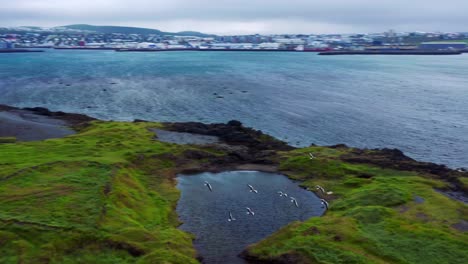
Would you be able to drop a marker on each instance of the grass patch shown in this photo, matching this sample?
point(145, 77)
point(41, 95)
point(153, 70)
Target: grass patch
point(374, 216)
point(83, 199)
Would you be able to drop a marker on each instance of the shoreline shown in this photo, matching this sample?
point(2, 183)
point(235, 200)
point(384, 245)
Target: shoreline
point(130, 158)
point(391, 52)
point(247, 152)
point(18, 50)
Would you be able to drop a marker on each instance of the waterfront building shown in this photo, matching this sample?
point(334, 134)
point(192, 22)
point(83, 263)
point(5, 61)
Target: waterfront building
point(442, 45)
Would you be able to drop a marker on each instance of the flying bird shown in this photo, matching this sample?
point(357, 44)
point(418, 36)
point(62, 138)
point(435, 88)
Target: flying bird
point(324, 203)
point(293, 200)
point(249, 211)
point(207, 184)
point(283, 194)
point(311, 156)
point(231, 218)
point(321, 189)
point(252, 189)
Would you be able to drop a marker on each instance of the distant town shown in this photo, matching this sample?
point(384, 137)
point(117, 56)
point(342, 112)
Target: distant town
point(134, 39)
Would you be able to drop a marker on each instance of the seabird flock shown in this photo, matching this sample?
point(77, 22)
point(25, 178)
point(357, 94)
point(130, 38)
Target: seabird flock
point(281, 194)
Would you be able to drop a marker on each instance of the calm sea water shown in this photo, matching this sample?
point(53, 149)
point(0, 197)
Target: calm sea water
point(206, 213)
point(418, 104)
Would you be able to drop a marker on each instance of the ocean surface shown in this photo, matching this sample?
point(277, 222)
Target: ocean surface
point(206, 213)
point(418, 104)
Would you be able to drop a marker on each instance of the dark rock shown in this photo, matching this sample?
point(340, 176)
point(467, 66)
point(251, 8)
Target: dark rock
point(461, 226)
point(235, 123)
point(233, 133)
point(396, 159)
point(39, 110)
point(338, 146)
point(288, 258)
point(72, 119)
point(197, 154)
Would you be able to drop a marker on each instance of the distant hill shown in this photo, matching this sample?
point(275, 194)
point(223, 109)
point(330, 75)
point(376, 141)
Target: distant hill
point(132, 30)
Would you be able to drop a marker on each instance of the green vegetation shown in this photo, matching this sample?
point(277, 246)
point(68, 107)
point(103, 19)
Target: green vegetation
point(376, 216)
point(85, 199)
point(107, 195)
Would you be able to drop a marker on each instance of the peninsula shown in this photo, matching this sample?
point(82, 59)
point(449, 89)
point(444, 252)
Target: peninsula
point(93, 191)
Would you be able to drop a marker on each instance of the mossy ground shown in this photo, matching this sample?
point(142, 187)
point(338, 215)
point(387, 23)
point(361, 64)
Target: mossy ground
point(107, 195)
point(84, 199)
point(376, 216)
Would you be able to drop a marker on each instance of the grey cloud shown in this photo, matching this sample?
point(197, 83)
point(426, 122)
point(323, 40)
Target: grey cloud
point(357, 15)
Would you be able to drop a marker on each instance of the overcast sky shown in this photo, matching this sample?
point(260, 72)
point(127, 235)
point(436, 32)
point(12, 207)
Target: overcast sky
point(244, 16)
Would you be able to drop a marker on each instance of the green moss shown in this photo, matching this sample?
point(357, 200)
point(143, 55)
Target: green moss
point(373, 216)
point(84, 199)
point(107, 195)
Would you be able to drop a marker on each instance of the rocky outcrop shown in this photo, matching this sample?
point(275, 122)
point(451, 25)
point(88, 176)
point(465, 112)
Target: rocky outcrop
point(233, 133)
point(396, 159)
point(71, 119)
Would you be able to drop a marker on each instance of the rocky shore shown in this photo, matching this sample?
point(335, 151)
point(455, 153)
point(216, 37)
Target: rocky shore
point(117, 176)
point(245, 147)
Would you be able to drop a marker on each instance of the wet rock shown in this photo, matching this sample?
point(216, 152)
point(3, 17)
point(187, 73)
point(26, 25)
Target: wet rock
point(234, 123)
point(72, 119)
point(232, 133)
point(461, 226)
point(418, 199)
point(197, 154)
point(139, 121)
point(338, 146)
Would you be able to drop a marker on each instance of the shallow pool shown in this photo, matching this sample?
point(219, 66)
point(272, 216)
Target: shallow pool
point(205, 213)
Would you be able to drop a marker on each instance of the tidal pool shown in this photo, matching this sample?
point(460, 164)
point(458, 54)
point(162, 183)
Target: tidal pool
point(205, 213)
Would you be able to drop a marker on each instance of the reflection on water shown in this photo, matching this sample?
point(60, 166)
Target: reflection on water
point(206, 213)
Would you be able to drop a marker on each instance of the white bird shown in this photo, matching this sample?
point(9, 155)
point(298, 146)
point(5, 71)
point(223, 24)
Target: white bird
point(207, 184)
point(293, 200)
point(321, 189)
point(231, 218)
point(283, 194)
point(252, 189)
point(311, 156)
point(249, 211)
point(324, 203)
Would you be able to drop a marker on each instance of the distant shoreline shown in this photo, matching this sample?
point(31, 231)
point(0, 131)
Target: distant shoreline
point(18, 50)
point(319, 51)
point(393, 52)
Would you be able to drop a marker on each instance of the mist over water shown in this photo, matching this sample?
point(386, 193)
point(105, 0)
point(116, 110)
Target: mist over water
point(415, 103)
